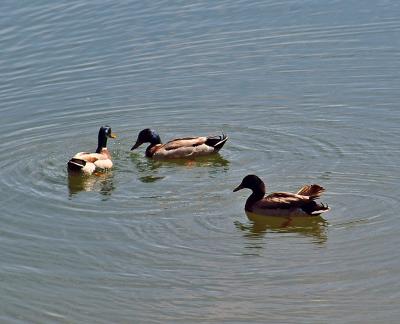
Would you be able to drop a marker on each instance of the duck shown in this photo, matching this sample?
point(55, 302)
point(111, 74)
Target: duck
point(283, 204)
point(88, 163)
point(186, 147)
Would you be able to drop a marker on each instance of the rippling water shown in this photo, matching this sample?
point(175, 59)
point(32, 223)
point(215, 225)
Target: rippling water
point(308, 91)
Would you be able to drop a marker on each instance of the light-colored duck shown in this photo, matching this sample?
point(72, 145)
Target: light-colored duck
point(88, 163)
point(179, 148)
point(284, 204)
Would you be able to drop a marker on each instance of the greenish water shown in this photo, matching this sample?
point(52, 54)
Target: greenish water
point(307, 91)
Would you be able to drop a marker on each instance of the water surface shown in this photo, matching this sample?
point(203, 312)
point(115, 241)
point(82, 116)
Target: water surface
point(307, 91)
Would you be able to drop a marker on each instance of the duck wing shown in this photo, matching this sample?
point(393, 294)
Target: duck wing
point(103, 164)
point(216, 142)
point(282, 200)
point(187, 147)
point(294, 204)
point(283, 204)
point(89, 157)
point(184, 142)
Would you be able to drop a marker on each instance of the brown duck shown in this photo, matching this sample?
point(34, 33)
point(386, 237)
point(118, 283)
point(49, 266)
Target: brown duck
point(283, 204)
point(188, 147)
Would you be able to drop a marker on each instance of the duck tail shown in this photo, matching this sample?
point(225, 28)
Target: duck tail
point(313, 191)
point(217, 142)
point(320, 209)
point(76, 164)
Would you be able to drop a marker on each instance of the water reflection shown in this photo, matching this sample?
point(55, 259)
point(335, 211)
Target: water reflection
point(149, 170)
point(98, 182)
point(260, 225)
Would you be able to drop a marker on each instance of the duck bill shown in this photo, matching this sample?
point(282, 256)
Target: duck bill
point(239, 187)
point(113, 135)
point(137, 144)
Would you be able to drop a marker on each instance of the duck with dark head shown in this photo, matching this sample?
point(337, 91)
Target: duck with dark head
point(283, 204)
point(87, 163)
point(187, 147)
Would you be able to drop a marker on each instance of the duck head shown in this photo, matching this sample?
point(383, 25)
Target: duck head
point(253, 183)
point(147, 136)
point(104, 133)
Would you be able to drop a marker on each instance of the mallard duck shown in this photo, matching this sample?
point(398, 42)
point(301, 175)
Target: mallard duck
point(86, 162)
point(178, 148)
point(283, 204)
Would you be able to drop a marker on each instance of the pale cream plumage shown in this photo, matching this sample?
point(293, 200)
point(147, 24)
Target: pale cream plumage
point(87, 163)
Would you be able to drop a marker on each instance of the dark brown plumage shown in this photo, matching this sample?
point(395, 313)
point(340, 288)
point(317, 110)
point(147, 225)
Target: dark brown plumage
point(284, 204)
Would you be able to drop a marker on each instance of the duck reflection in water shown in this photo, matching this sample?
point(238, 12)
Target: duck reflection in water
point(260, 225)
point(101, 182)
point(150, 170)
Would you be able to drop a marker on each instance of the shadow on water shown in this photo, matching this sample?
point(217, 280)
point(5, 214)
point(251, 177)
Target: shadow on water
point(259, 225)
point(97, 182)
point(149, 170)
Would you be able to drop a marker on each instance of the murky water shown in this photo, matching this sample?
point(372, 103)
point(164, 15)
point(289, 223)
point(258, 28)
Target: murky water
point(308, 92)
